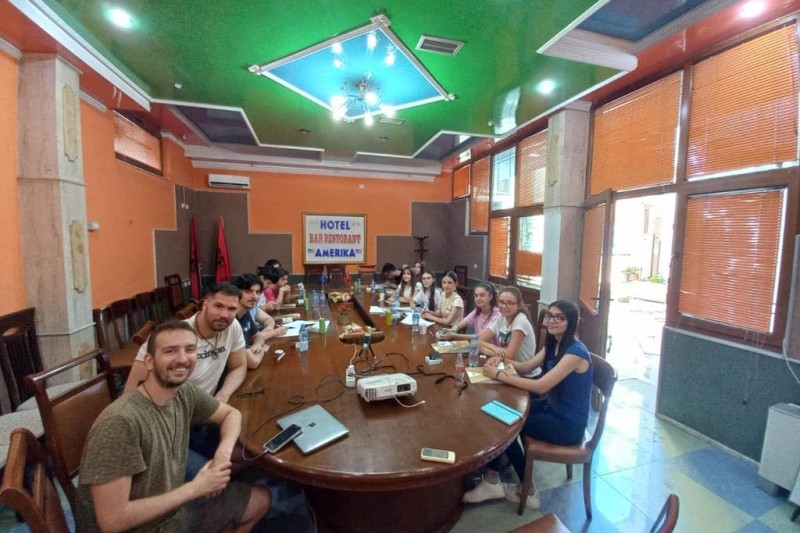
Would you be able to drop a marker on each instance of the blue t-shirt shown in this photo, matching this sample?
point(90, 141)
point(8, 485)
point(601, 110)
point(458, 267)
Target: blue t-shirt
point(572, 396)
point(249, 325)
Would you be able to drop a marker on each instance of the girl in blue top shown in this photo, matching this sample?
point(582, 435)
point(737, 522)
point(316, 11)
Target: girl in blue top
point(560, 415)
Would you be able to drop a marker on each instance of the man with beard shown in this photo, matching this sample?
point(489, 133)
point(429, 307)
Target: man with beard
point(258, 327)
point(220, 345)
point(133, 464)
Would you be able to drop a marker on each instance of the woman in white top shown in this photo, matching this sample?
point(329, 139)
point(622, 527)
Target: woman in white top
point(428, 296)
point(450, 309)
point(512, 332)
point(405, 291)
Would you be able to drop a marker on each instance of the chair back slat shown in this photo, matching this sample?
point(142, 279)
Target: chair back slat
point(34, 496)
point(604, 377)
point(175, 296)
point(68, 417)
point(124, 319)
point(461, 274)
point(19, 353)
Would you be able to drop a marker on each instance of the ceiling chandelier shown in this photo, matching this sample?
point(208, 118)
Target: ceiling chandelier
point(359, 98)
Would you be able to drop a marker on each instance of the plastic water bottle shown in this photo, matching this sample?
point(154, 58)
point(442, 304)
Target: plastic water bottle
point(460, 370)
point(395, 311)
point(303, 344)
point(314, 299)
point(372, 285)
point(473, 350)
point(301, 294)
point(415, 320)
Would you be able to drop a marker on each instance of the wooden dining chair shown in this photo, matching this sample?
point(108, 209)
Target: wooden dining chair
point(28, 486)
point(187, 311)
point(548, 523)
point(124, 319)
point(175, 296)
point(336, 275)
point(19, 353)
point(668, 517)
point(604, 377)
point(312, 273)
point(461, 274)
point(541, 330)
point(68, 416)
point(366, 273)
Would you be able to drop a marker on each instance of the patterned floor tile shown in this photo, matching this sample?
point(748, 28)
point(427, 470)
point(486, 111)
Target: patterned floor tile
point(779, 519)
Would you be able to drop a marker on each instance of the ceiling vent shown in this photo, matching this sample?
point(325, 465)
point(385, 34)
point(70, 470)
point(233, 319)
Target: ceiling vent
point(225, 181)
point(392, 121)
point(439, 45)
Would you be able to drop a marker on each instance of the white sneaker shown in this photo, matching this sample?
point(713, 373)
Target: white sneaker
point(512, 494)
point(485, 491)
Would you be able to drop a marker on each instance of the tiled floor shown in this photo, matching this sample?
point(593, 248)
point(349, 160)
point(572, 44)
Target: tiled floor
point(642, 459)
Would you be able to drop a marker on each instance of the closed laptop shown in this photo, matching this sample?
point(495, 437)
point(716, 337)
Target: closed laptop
point(319, 427)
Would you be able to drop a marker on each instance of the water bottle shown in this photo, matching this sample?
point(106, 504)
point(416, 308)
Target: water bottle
point(372, 286)
point(473, 350)
point(314, 299)
point(460, 370)
point(395, 311)
point(301, 294)
point(415, 320)
point(303, 344)
point(367, 341)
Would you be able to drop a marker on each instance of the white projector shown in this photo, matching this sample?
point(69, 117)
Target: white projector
point(386, 386)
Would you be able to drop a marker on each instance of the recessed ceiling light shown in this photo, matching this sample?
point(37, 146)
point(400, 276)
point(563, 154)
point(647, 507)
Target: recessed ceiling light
point(752, 9)
point(178, 86)
point(120, 18)
point(546, 87)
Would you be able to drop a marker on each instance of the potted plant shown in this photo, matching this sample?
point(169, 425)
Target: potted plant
point(631, 273)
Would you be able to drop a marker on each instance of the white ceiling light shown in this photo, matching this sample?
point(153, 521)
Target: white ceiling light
point(120, 18)
point(752, 9)
point(546, 87)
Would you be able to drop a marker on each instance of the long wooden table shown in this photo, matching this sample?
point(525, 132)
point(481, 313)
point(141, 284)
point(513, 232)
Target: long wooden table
point(373, 479)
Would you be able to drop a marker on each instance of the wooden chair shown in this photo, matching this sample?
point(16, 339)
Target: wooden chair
point(366, 273)
point(336, 275)
point(311, 274)
point(19, 353)
point(140, 337)
point(604, 378)
point(67, 417)
point(461, 274)
point(161, 303)
point(28, 486)
point(541, 330)
point(668, 517)
point(124, 319)
point(548, 523)
point(149, 308)
point(187, 311)
point(175, 297)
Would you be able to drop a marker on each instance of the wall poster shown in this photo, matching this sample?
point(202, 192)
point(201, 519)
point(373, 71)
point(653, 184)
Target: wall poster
point(334, 238)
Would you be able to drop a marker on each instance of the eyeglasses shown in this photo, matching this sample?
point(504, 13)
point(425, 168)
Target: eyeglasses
point(559, 319)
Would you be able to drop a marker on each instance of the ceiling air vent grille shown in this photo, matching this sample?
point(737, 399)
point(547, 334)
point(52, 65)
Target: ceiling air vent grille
point(439, 45)
point(392, 121)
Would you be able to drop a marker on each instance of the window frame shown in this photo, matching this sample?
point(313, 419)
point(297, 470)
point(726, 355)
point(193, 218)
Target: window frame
point(147, 130)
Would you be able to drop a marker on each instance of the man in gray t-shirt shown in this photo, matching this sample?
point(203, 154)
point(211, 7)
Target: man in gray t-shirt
point(133, 464)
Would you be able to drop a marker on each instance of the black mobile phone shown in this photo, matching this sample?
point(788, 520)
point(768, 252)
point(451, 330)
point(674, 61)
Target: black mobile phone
point(282, 439)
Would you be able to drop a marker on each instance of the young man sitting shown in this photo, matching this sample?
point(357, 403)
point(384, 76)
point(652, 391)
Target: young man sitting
point(257, 326)
point(134, 461)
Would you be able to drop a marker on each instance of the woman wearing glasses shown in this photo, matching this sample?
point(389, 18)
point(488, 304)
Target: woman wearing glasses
point(450, 307)
point(511, 335)
point(559, 417)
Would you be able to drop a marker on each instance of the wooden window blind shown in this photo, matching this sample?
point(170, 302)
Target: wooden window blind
point(744, 106)
point(499, 244)
point(461, 182)
point(532, 156)
point(479, 202)
point(135, 145)
point(635, 138)
point(594, 220)
point(730, 258)
point(528, 266)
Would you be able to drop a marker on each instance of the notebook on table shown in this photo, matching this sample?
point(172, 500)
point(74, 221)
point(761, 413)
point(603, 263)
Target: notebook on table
point(505, 414)
point(319, 427)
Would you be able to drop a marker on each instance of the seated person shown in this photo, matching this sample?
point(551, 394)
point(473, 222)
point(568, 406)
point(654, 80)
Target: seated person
point(560, 415)
point(428, 296)
point(276, 287)
point(262, 273)
point(418, 269)
point(133, 464)
point(485, 312)
point(390, 276)
point(257, 326)
point(450, 308)
point(511, 334)
point(405, 290)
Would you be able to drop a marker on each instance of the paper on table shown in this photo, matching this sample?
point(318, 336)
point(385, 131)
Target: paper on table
point(422, 321)
point(377, 310)
point(476, 375)
point(450, 346)
point(293, 328)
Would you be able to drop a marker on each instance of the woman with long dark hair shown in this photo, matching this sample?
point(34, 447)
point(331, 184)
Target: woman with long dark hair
point(450, 307)
point(482, 316)
point(559, 417)
point(511, 335)
point(428, 296)
point(405, 290)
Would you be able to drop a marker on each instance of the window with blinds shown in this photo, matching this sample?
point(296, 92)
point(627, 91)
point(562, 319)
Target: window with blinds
point(635, 138)
point(504, 179)
point(532, 156)
point(499, 245)
point(744, 107)
point(594, 220)
point(135, 145)
point(479, 200)
point(731, 257)
point(530, 245)
point(461, 182)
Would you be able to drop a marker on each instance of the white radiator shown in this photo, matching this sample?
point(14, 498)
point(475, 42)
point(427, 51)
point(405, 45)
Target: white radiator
point(780, 456)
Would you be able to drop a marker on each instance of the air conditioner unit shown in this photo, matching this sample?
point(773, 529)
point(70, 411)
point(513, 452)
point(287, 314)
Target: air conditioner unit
point(226, 181)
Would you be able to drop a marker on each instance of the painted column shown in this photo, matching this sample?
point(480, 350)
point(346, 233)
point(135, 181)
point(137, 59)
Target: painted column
point(567, 156)
point(53, 207)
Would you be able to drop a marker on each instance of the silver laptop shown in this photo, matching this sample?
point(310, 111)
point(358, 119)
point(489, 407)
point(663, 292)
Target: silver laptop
point(319, 427)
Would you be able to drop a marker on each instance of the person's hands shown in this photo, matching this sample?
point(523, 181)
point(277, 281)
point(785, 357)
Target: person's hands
point(490, 371)
point(447, 334)
point(427, 313)
point(212, 479)
point(280, 330)
point(270, 306)
point(494, 361)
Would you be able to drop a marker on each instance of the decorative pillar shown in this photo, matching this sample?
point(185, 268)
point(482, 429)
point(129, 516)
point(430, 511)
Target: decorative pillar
point(567, 156)
point(53, 207)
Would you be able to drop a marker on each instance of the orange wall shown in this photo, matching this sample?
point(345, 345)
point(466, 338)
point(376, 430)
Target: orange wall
point(276, 203)
point(12, 280)
point(129, 204)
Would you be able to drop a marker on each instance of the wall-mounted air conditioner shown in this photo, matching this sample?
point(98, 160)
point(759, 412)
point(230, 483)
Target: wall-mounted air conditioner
point(226, 181)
